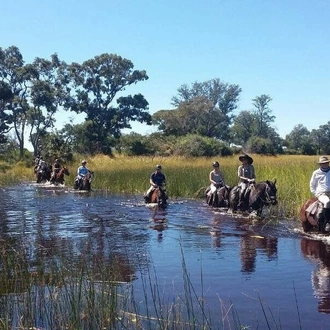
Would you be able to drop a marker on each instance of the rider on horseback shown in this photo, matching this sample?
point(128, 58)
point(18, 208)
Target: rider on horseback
point(81, 172)
point(57, 168)
point(157, 179)
point(320, 188)
point(216, 179)
point(246, 177)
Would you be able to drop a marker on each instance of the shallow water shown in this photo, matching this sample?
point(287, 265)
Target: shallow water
point(259, 268)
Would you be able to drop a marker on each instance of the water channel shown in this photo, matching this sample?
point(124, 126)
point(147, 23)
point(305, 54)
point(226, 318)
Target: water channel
point(261, 268)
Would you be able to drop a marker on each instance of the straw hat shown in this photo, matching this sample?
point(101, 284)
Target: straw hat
point(245, 156)
point(323, 160)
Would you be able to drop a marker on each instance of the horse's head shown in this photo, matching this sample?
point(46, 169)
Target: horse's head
point(65, 170)
point(270, 192)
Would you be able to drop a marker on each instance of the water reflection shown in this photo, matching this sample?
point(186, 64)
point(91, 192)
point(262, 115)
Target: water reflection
point(250, 244)
point(319, 252)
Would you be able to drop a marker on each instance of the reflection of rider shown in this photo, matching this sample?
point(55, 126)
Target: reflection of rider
point(246, 176)
point(57, 167)
point(157, 179)
point(216, 179)
point(320, 187)
point(318, 251)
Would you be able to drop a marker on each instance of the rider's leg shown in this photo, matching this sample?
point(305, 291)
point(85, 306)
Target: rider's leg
point(324, 217)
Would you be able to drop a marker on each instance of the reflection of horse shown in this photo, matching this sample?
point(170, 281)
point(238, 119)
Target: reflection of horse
point(219, 198)
point(159, 196)
point(85, 182)
point(256, 197)
point(309, 213)
point(44, 174)
point(59, 176)
point(319, 252)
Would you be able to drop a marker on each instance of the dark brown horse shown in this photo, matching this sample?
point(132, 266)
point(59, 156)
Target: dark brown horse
point(219, 198)
point(309, 213)
point(85, 183)
point(59, 176)
point(158, 196)
point(257, 196)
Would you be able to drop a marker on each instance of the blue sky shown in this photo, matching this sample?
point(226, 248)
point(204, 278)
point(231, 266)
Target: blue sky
point(279, 48)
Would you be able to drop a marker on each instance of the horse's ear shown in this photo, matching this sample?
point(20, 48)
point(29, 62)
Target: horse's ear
point(274, 181)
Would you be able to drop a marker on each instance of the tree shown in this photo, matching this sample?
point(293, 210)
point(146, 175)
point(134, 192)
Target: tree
point(299, 139)
point(263, 114)
point(244, 126)
point(96, 83)
point(46, 94)
point(321, 139)
point(202, 108)
point(5, 96)
point(37, 93)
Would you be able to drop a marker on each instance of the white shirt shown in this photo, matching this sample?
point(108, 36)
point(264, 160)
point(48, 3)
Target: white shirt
point(320, 182)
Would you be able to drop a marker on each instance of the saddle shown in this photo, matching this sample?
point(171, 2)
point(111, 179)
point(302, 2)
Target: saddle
point(313, 212)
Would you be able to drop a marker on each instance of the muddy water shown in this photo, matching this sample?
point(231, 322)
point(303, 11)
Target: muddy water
point(261, 269)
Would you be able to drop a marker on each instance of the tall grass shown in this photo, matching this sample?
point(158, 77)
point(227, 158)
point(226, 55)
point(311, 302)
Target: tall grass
point(188, 177)
point(72, 295)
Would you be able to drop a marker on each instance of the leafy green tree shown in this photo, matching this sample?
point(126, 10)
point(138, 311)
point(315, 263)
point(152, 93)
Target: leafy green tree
point(263, 114)
point(299, 140)
point(37, 93)
point(204, 108)
point(244, 126)
point(46, 94)
point(5, 96)
point(321, 139)
point(96, 84)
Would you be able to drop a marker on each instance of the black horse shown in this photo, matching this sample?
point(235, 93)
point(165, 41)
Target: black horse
point(219, 198)
point(256, 197)
point(85, 183)
point(44, 174)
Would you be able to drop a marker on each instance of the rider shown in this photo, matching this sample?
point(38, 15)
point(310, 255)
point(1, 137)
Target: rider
point(216, 179)
point(246, 176)
point(320, 187)
point(81, 172)
point(157, 179)
point(57, 168)
point(41, 165)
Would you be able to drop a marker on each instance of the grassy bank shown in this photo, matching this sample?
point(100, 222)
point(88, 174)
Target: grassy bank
point(188, 177)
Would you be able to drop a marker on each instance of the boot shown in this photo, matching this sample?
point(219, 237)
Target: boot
point(326, 216)
point(321, 222)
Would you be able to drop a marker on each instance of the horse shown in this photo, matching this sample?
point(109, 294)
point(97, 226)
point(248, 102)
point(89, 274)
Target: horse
point(85, 182)
point(309, 214)
point(256, 197)
point(44, 174)
point(219, 198)
point(59, 176)
point(158, 196)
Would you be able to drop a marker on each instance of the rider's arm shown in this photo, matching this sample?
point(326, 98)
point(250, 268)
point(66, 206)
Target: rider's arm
point(211, 178)
point(313, 184)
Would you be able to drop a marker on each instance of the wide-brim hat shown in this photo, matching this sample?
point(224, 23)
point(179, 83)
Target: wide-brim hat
point(323, 160)
point(245, 156)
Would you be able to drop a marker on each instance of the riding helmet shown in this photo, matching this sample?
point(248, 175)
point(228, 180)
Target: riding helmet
point(83, 162)
point(215, 164)
point(158, 167)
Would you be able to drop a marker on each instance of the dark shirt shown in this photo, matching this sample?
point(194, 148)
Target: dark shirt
point(158, 178)
point(57, 166)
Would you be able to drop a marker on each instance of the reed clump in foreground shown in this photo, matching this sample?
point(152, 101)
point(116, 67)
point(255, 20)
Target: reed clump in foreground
point(87, 292)
point(188, 177)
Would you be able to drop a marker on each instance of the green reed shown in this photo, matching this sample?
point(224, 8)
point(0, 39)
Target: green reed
point(188, 177)
point(90, 293)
